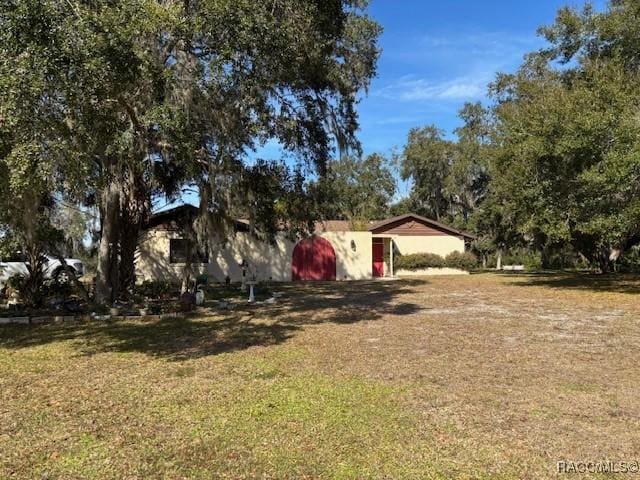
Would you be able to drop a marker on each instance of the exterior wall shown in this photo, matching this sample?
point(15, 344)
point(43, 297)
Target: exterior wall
point(350, 264)
point(439, 244)
point(270, 262)
point(152, 261)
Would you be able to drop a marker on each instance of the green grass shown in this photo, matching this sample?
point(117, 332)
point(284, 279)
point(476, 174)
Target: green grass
point(246, 416)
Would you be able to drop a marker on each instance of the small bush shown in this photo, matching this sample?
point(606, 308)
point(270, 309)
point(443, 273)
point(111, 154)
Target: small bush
point(416, 261)
point(157, 289)
point(461, 260)
point(530, 259)
point(630, 261)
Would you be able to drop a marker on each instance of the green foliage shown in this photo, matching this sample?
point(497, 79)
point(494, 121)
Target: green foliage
point(156, 289)
point(417, 261)
point(17, 283)
point(427, 159)
point(357, 189)
point(554, 166)
point(630, 261)
point(34, 291)
point(449, 177)
point(568, 163)
point(117, 103)
point(461, 260)
point(9, 244)
point(530, 260)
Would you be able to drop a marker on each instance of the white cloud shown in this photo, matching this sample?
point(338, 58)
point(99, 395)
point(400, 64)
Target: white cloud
point(496, 47)
point(455, 66)
point(419, 89)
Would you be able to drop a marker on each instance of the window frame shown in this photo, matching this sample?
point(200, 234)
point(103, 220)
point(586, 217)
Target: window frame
point(200, 256)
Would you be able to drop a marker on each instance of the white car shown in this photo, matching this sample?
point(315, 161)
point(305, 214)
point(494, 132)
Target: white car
point(53, 269)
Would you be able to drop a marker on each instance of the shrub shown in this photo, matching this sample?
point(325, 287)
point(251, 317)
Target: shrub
point(158, 288)
point(416, 261)
point(530, 259)
point(629, 262)
point(461, 260)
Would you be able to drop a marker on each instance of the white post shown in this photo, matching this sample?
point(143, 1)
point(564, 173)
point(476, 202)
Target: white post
point(391, 257)
point(252, 297)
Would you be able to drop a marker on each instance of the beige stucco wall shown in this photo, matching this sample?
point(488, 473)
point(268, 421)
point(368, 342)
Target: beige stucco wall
point(350, 264)
point(441, 245)
point(269, 261)
point(152, 262)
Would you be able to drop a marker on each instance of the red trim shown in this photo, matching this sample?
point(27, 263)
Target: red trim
point(377, 255)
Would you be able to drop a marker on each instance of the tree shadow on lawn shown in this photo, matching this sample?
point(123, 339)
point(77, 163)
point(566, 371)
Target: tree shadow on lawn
point(211, 332)
point(583, 281)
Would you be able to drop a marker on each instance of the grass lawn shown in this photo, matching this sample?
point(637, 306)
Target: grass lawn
point(480, 376)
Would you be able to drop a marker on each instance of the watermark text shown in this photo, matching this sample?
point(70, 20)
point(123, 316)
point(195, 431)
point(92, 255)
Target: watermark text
point(603, 466)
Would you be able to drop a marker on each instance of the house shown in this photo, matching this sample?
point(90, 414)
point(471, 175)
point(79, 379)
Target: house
point(336, 251)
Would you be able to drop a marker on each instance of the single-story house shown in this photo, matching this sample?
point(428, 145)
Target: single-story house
point(335, 251)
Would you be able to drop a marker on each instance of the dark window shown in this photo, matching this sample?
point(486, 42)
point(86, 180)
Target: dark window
point(178, 248)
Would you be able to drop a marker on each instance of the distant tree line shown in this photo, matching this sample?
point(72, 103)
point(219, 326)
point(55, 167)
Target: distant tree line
point(552, 165)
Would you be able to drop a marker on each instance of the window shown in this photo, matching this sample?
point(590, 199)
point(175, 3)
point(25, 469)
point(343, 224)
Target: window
point(178, 248)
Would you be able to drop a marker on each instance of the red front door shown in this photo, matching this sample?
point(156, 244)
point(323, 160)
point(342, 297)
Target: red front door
point(378, 259)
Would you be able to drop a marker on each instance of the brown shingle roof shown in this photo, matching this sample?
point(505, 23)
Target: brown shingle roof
point(333, 226)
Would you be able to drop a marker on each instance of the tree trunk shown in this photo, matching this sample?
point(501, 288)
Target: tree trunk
point(128, 246)
point(604, 261)
point(187, 272)
point(107, 274)
point(130, 226)
point(499, 259)
point(545, 258)
point(135, 208)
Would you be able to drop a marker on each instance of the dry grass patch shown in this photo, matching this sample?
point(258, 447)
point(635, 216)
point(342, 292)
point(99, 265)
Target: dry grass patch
point(476, 376)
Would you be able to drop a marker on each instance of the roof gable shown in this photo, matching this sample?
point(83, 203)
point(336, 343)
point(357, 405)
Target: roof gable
point(412, 224)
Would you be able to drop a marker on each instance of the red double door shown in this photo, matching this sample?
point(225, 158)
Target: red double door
point(377, 254)
point(313, 259)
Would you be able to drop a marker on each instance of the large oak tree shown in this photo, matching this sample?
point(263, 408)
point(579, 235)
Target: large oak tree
point(138, 98)
point(567, 134)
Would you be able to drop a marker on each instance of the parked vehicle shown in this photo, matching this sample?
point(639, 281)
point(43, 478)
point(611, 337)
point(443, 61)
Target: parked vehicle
point(53, 269)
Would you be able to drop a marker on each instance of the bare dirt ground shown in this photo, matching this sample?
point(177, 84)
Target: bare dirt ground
point(479, 376)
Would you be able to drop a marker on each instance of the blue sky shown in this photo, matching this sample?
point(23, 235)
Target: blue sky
point(436, 55)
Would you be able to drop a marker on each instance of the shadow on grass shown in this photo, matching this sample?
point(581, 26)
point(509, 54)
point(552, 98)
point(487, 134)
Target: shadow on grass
point(213, 332)
point(590, 282)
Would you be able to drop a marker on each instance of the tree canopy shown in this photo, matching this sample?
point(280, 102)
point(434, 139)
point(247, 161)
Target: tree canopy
point(554, 160)
point(567, 132)
point(358, 190)
point(123, 101)
point(449, 177)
